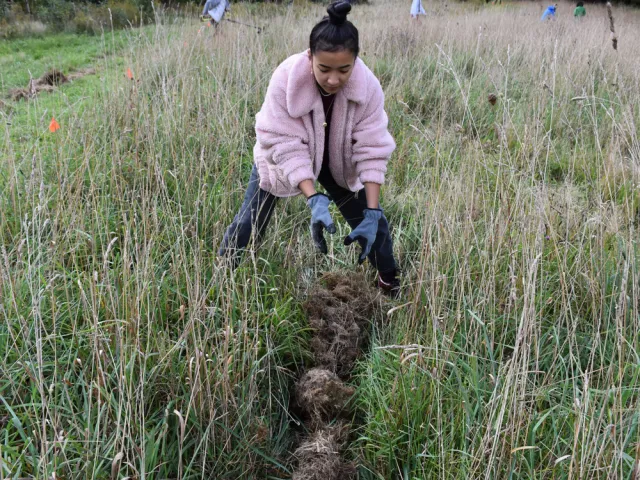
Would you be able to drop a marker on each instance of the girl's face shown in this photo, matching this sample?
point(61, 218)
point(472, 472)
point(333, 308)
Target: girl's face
point(332, 69)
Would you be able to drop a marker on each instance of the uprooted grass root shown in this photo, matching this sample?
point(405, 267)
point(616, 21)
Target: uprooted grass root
point(319, 456)
point(322, 394)
point(339, 314)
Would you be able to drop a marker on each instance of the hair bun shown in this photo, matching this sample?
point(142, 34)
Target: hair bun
point(338, 12)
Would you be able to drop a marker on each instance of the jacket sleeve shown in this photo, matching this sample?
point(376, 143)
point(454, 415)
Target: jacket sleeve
point(283, 137)
point(209, 5)
point(373, 144)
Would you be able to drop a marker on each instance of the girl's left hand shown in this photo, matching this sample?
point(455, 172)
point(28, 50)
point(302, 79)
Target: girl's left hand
point(366, 232)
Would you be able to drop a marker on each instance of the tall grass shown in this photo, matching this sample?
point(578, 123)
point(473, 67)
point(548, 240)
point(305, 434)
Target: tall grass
point(128, 349)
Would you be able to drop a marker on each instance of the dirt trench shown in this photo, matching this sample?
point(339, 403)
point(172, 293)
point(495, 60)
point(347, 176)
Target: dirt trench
point(339, 313)
point(47, 83)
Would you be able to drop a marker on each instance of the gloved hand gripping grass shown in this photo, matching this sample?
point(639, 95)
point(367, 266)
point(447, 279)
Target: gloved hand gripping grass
point(320, 219)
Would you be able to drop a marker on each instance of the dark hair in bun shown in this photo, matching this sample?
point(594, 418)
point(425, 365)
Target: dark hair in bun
point(334, 32)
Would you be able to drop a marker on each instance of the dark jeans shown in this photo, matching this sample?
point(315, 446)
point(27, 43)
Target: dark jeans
point(258, 206)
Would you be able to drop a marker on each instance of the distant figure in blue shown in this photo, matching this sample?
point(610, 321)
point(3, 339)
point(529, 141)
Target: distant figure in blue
point(549, 13)
point(215, 9)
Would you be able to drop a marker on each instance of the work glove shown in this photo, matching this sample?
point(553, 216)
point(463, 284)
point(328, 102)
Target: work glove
point(366, 232)
point(320, 219)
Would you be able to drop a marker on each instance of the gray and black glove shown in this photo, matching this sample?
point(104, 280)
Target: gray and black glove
point(320, 219)
point(366, 232)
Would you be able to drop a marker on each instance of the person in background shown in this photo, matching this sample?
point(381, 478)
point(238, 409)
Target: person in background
point(580, 10)
point(417, 9)
point(549, 13)
point(215, 9)
point(322, 120)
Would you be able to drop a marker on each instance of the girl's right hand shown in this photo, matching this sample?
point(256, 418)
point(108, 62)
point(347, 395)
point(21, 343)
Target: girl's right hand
point(320, 219)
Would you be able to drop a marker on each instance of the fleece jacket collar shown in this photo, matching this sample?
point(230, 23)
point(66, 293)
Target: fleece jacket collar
point(302, 90)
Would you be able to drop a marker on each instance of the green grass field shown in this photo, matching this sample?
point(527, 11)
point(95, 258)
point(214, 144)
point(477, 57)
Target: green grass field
point(128, 350)
point(25, 58)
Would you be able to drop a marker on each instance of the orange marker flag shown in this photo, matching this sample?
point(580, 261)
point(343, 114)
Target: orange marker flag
point(54, 126)
point(209, 24)
point(129, 74)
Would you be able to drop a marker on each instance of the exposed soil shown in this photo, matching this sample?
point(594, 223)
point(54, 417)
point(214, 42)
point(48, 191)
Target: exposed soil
point(47, 83)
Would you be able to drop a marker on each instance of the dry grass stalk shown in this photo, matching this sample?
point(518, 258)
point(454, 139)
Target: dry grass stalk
point(614, 38)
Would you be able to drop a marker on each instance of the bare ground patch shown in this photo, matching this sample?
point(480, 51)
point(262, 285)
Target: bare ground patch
point(47, 83)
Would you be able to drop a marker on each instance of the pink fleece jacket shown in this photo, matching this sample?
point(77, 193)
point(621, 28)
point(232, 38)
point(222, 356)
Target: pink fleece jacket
point(290, 134)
